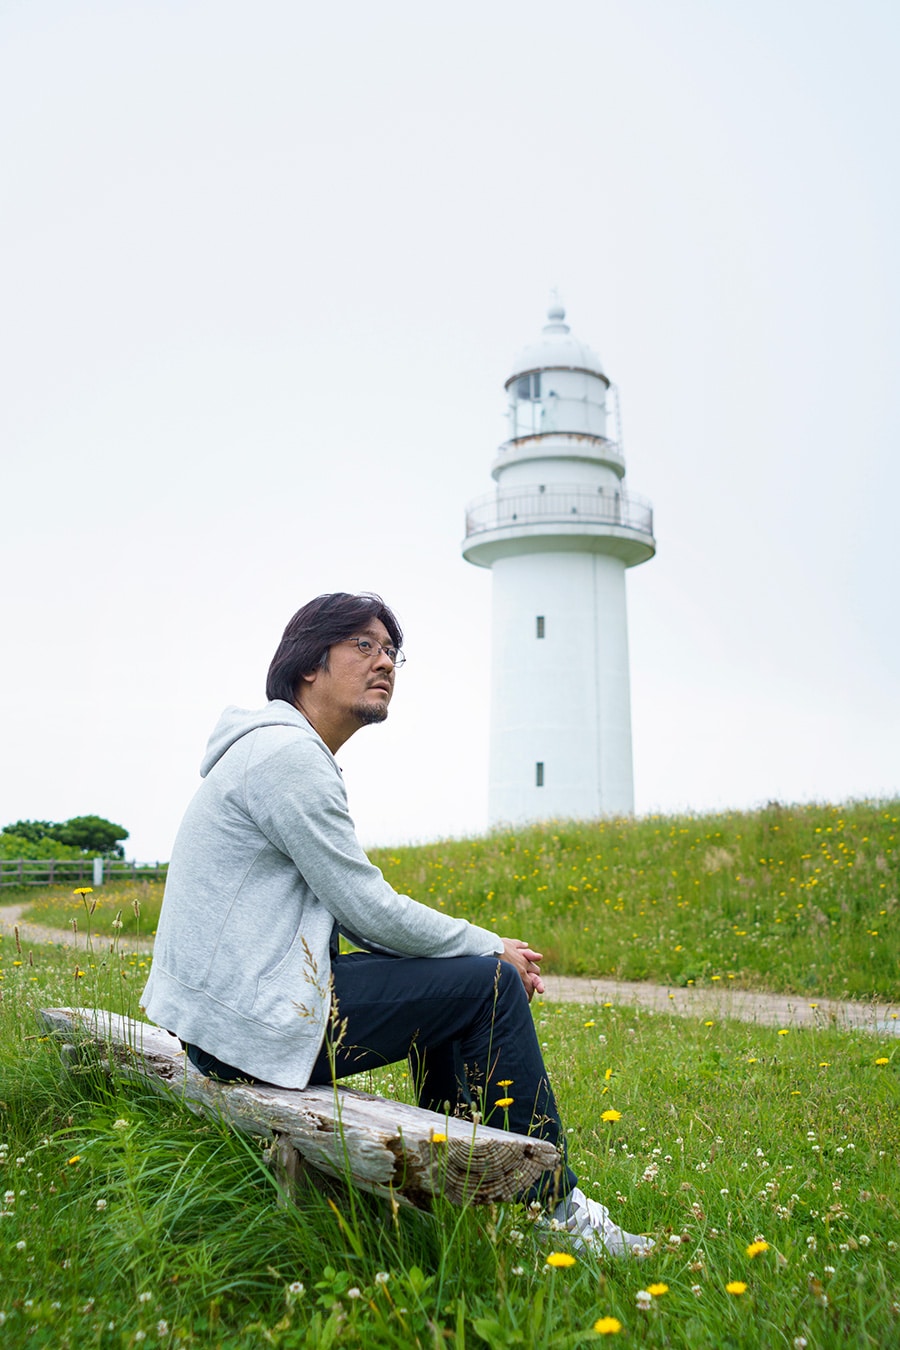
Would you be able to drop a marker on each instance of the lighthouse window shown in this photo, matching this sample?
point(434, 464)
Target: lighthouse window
point(528, 387)
point(539, 625)
point(539, 773)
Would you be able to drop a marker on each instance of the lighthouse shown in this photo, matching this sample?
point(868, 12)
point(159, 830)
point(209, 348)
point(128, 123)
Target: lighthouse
point(558, 533)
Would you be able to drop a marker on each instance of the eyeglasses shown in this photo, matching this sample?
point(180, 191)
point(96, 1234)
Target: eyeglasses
point(370, 649)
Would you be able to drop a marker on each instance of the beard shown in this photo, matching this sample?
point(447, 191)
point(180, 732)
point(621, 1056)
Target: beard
point(367, 714)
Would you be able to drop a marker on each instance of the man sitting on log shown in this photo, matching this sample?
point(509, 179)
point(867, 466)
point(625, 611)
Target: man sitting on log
point(266, 872)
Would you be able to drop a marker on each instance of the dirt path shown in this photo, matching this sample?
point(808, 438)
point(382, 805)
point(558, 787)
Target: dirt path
point(781, 1010)
point(37, 933)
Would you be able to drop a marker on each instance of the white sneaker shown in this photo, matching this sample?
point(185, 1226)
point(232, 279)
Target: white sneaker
point(588, 1224)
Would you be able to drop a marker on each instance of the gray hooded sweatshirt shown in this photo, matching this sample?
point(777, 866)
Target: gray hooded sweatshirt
point(265, 864)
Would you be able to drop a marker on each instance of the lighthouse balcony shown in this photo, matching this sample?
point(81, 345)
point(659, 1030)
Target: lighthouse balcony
point(559, 518)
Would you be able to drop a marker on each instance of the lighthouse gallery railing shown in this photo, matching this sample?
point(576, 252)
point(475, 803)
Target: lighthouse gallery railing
point(556, 505)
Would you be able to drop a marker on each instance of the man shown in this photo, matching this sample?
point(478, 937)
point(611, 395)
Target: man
point(267, 871)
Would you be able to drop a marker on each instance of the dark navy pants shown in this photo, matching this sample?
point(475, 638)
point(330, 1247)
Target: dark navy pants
point(465, 1026)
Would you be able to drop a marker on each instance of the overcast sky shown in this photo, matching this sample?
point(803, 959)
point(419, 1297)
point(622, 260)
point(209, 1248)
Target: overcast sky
point(265, 269)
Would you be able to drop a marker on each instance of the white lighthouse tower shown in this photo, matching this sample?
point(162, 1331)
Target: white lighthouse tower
point(558, 532)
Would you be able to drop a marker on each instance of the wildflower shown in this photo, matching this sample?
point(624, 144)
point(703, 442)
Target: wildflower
point(863, 1240)
point(145, 1297)
point(735, 1287)
point(883, 1060)
point(643, 1298)
point(709, 1024)
point(591, 1023)
point(607, 1326)
point(354, 1292)
point(611, 1115)
point(518, 1270)
point(657, 1290)
point(296, 1288)
point(120, 1124)
point(696, 1290)
point(101, 1204)
point(784, 1032)
point(800, 1343)
point(561, 1259)
point(438, 1138)
point(756, 1247)
point(20, 1246)
point(505, 1082)
point(162, 1327)
point(83, 890)
point(76, 1157)
point(381, 1277)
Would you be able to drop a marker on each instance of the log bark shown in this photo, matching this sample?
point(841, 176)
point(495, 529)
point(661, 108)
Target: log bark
point(401, 1152)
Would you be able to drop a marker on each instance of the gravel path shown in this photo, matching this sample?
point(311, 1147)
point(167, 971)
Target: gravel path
point(781, 1010)
point(60, 937)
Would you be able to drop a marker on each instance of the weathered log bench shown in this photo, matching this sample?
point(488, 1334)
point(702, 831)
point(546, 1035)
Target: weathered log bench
point(401, 1152)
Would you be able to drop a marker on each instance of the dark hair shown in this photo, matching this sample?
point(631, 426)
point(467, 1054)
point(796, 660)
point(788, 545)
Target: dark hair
point(316, 627)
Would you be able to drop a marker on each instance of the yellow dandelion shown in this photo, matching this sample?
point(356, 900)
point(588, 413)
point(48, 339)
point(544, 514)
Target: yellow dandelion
point(608, 1075)
point(657, 1290)
point(560, 1259)
point(438, 1138)
point(709, 1024)
point(611, 1115)
point(504, 1101)
point(505, 1082)
point(74, 1159)
point(752, 1061)
point(883, 1060)
point(83, 890)
point(756, 1247)
point(735, 1287)
point(591, 1023)
point(607, 1326)
point(784, 1032)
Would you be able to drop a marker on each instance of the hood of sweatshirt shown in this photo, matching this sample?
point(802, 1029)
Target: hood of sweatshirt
point(237, 722)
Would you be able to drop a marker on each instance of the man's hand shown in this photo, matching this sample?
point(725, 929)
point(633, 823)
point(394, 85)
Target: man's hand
point(526, 962)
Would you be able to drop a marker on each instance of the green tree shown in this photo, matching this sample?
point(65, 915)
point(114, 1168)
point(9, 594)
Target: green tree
point(91, 834)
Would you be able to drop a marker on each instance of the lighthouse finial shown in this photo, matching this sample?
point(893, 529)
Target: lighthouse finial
point(556, 311)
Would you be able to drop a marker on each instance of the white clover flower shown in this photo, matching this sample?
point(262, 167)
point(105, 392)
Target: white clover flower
point(829, 1270)
point(800, 1343)
point(162, 1327)
point(20, 1246)
point(381, 1277)
point(145, 1297)
point(101, 1204)
point(120, 1124)
point(643, 1299)
point(518, 1270)
point(8, 1197)
point(863, 1240)
point(696, 1290)
point(354, 1292)
point(140, 1335)
point(297, 1288)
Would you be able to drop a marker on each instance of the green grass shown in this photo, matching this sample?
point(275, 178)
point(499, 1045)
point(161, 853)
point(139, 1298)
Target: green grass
point(138, 1218)
point(802, 899)
point(127, 1221)
point(133, 906)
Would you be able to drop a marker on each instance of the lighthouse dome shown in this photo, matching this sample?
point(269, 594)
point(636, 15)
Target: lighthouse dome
point(556, 349)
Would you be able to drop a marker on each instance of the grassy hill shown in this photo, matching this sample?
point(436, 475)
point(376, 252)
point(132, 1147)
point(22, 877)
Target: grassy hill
point(763, 1160)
